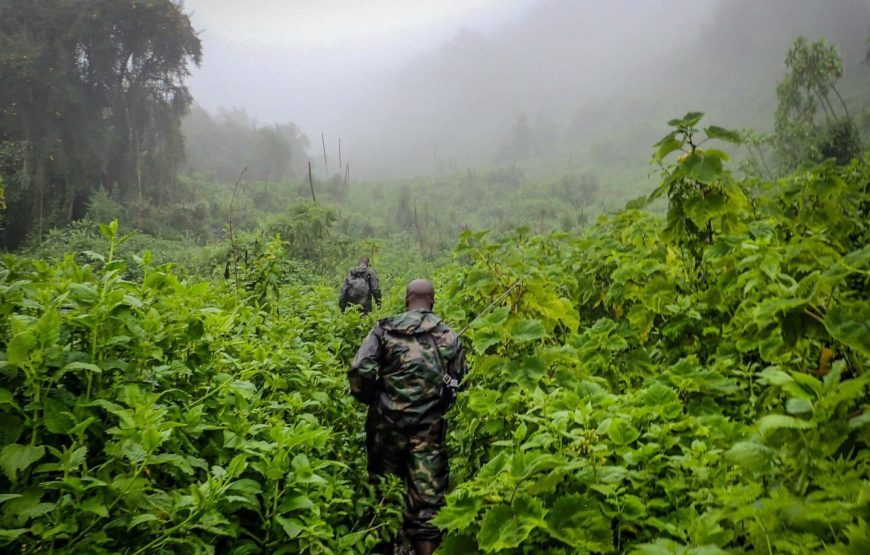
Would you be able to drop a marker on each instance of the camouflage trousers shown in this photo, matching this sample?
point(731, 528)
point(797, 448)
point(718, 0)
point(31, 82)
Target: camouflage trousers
point(419, 458)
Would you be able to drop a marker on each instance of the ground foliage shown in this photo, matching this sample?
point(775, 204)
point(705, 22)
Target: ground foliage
point(162, 416)
point(689, 384)
point(692, 385)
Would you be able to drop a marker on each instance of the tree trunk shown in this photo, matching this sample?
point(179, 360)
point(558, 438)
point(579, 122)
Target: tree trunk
point(38, 199)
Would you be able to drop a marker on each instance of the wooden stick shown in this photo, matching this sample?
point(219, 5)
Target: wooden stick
point(325, 163)
point(339, 154)
point(232, 236)
point(311, 183)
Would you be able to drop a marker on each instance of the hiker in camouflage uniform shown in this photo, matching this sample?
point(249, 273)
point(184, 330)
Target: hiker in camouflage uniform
point(360, 287)
point(408, 371)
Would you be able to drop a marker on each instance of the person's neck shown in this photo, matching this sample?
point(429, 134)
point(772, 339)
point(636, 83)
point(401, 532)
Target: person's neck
point(420, 307)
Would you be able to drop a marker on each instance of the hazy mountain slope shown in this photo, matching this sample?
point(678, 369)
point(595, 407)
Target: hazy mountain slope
point(592, 73)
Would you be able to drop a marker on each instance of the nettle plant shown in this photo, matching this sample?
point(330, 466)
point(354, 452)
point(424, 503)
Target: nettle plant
point(704, 199)
point(695, 384)
point(159, 415)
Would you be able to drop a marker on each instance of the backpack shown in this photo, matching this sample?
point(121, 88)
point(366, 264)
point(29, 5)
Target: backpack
point(358, 288)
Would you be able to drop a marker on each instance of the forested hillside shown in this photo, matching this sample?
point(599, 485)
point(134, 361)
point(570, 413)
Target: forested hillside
point(668, 344)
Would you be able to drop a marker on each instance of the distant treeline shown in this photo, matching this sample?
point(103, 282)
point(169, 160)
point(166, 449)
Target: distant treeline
point(221, 146)
point(93, 95)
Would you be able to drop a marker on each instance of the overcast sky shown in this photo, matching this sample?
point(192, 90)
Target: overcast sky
point(299, 60)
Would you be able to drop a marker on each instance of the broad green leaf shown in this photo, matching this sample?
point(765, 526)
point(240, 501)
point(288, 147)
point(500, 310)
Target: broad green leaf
point(480, 280)
point(296, 503)
point(670, 547)
point(95, 506)
point(74, 459)
point(291, 526)
point(702, 168)
point(689, 120)
point(524, 331)
point(704, 209)
point(7, 399)
point(716, 132)
point(621, 432)
point(505, 526)
point(716, 153)
point(859, 421)
point(577, 521)
point(19, 348)
point(798, 406)
point(773, 422)
point(85, 293)
point(9, 535)
point(47, 328)
point(243, 389)
point(14, 458)
point(73, 366)
point(57, 417)
point(773, 375)
point(850, 324)
point(666, 147)
point(494, 467)
point(750, 455)
point(141, 519)
point(485, 338)
point(459, 513)
point(11, 428)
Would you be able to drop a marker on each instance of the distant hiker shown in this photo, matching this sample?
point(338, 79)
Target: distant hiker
point(408, 371)
point(360, 287)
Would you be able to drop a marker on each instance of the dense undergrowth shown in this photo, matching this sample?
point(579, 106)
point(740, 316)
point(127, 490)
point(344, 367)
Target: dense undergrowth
point(154, 415)
point(690, 384)
point(693, 385)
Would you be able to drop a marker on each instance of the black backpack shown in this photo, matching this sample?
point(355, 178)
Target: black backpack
point(358, 287)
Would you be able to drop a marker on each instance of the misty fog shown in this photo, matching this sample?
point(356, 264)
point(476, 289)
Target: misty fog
point(594, 81)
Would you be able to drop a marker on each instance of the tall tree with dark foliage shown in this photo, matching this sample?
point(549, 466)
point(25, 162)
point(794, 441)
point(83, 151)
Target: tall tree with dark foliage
point(93, 95)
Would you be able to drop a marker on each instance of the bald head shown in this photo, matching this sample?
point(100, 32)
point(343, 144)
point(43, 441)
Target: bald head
point(420, 295)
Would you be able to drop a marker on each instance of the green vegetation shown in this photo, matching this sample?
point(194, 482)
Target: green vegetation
point(195, 417)
point(807, 89)
point(690, 384)
point(689, 374)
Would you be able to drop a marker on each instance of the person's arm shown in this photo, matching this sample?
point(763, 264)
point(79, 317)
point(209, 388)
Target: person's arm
point(342, 297)
point(456, 372)
point(363, 373)
point(458, 368)
point(375, 286)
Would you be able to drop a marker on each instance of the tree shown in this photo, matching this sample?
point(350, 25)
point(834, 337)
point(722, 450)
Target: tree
point(93, 94)
point(138, 56)
point(39, 99)
point(521, 140)
point(813, 70)
point(220, 146)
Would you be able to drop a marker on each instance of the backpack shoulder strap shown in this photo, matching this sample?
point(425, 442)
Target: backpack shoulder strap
point(442, 371)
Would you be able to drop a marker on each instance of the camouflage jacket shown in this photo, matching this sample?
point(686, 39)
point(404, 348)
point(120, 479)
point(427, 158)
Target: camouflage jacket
point(402, 365)
point(374, 287)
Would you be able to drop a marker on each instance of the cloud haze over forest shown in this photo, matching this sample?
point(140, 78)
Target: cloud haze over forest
point(412, 87)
